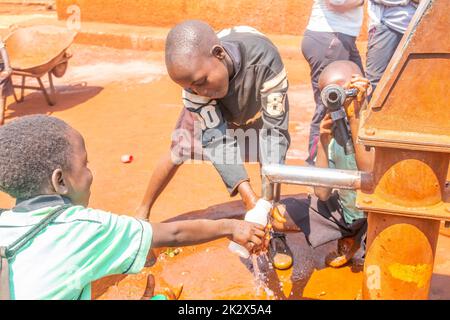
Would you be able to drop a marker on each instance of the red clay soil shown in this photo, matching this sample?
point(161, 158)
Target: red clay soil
point(123, 103)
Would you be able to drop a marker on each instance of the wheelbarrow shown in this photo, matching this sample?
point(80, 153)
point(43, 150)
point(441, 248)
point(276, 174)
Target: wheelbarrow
point(38, 51)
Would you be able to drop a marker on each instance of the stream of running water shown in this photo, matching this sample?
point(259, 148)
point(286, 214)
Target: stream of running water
point(261, 276)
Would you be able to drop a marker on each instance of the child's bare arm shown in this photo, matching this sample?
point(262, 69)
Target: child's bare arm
point(163, 173)
point(322, 154)
point(185, 233)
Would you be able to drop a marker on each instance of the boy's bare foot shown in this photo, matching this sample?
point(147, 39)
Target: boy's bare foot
point(347, 247)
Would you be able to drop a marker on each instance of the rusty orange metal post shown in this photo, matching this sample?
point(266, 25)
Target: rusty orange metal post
point(408, 124)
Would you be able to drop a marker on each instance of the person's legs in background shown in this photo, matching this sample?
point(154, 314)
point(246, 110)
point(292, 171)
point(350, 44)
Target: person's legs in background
point(381, 46)
point(350, 45)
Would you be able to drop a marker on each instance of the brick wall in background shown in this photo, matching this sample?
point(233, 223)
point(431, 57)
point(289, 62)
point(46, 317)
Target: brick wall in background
point(269, 16)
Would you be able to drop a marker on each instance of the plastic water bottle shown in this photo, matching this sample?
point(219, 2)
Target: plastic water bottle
point(259, 215)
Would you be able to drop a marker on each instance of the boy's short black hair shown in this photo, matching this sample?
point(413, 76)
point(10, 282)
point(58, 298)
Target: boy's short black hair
point(189, 39)
point(31, 148)
point(341, 70)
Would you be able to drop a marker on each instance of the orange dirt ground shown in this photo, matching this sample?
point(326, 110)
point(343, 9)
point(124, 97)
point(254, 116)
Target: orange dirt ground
point(123, 102)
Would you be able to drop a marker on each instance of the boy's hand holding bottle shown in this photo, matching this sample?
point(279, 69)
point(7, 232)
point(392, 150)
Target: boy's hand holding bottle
point(259, 217)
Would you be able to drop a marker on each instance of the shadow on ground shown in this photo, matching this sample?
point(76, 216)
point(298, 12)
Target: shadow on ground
point(67, 97)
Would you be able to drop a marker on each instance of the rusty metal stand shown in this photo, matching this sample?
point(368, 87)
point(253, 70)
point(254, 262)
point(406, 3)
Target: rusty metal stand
point(408, 124)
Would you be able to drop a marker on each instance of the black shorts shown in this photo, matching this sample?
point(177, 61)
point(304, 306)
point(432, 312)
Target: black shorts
point(323, 221)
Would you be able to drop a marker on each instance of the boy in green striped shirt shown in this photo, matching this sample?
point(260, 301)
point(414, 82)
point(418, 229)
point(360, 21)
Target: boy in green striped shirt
point(43, 164)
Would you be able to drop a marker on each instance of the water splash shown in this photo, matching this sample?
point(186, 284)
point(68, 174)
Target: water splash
point(260, 276)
